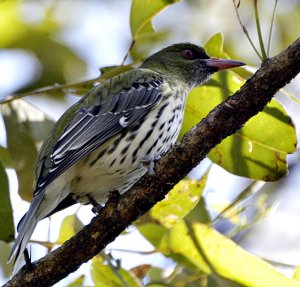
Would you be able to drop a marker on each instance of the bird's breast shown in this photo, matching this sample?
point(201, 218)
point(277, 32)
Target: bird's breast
point(118, 164)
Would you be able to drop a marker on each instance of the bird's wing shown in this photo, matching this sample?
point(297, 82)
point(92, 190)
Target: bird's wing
point(94, 125)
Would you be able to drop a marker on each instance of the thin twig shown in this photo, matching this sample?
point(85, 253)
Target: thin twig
point(291, 96)
point(245, 30)
point(248, 191)
point(115, 268)
point(261, 42)
point(127, 53)
point(55, 87)
point(134, 251)
point(271, 28)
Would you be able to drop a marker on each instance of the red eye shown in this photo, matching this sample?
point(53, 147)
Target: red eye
point(187, 54)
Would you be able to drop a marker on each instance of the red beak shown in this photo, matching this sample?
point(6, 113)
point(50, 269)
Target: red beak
point(222, 64)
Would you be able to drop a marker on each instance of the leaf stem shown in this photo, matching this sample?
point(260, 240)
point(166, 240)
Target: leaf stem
point(261, 43)
point(127, 53)
point(244, 29)
point(246, 193)
point(271, 28)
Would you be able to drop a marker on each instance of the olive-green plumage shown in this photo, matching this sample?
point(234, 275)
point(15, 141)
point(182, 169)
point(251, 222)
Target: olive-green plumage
point(112, 136)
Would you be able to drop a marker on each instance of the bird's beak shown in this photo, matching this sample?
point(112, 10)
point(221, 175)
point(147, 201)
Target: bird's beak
point(222, 64)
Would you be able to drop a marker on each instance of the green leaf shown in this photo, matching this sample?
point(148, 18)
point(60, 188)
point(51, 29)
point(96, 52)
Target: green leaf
point(183, 201)
point(5, 157)
point(36, 39)
point(179, 202)
point(296, 275)
point(225, 257)
point(259, 149)
point(107, 276)
point(214, 46)
point(5, 266)
point(69, 227)
point(146, 43)
point(26, 126)
point(7, 230)
point(177, 241)
point(141, 14)
point(19, 140)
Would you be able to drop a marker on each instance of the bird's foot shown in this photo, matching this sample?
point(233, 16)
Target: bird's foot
point(149, 163)
point(96, 206)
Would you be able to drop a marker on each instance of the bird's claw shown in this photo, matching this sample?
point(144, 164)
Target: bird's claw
point(150, 164)
point(96, 206)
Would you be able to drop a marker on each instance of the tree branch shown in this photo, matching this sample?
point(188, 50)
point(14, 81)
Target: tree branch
point(119, 212)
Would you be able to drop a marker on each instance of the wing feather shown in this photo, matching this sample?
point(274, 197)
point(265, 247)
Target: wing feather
point(93, 126)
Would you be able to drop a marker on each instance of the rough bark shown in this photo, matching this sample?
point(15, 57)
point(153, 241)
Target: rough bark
point(120, 212)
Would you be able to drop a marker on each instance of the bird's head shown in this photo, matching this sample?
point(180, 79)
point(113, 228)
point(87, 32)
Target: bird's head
point(187, 62)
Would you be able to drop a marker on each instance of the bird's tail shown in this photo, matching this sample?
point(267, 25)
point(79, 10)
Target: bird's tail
point(25, 229)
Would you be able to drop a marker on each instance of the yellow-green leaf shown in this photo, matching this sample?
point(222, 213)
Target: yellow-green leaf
point(259, 149)
point(224, 256)
point(214, 46)
point(26, 127)
point(178, 202)
point(5, 157)
point(109, 276)
point(296, 275)
point(7, 230)
point(141, 14)
point(69, 227)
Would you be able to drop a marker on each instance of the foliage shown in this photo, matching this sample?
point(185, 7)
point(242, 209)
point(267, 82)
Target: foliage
point(179, 227)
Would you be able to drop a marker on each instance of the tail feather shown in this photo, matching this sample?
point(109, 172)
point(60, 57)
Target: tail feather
point(27, 226)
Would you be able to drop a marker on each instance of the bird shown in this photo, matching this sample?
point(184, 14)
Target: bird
point(114, 134)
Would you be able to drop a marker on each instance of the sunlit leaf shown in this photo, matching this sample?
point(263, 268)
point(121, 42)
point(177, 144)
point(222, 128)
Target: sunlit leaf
point(69, 227)
point(184, 200)
point(259, 149)
point(178, 202)
point(26, 127)
point(7, 230)
point(214, 46)
point(107, 276)
point(224, 256)
point(296, 275)
point(141, 14)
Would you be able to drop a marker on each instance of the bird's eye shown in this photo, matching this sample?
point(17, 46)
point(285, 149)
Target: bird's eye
point(187, 54)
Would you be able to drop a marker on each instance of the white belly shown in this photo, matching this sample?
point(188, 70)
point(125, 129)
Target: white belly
point(118, 166)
